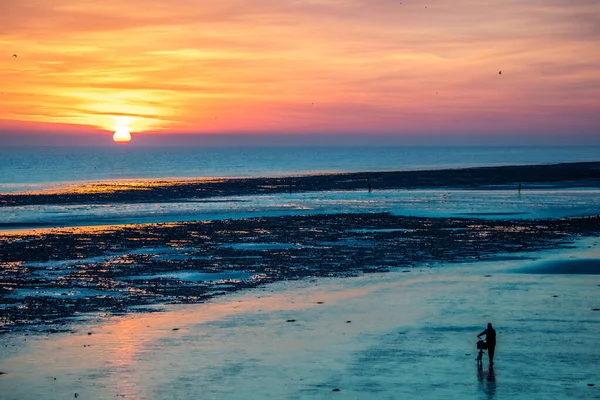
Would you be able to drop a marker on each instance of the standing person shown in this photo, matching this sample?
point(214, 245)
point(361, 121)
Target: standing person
point(490, 338)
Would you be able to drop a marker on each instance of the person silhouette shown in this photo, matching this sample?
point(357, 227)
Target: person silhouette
point(490, 338)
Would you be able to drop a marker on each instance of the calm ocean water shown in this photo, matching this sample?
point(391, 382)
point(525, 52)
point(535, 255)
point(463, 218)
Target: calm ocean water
point(40, 168)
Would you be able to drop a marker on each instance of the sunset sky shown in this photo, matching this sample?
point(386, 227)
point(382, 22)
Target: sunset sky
point(320, 68)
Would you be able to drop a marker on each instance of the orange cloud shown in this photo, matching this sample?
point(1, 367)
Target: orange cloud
point(300, 66)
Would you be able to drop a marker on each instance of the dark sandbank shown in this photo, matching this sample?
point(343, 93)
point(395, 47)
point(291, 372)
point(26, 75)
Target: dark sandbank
point(554, 175)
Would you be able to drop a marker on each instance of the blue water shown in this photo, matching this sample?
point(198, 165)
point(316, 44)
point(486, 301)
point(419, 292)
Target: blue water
point(533, 203)
point(40, 168)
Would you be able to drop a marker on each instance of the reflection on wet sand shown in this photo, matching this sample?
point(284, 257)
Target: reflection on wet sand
point(487, 380)
point(121, 341)
point(407, 338)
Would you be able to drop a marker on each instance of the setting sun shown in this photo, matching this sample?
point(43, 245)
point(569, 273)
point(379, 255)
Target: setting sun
point(122, 136)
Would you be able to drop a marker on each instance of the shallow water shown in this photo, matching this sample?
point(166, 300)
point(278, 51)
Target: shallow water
point(195, 276)
point(487, 204)
point(59, 292)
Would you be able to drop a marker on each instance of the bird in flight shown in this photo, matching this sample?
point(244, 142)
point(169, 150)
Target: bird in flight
point(14, 55)
point(499, 72)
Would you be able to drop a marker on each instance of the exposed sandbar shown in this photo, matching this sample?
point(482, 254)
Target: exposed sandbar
point(566, 175)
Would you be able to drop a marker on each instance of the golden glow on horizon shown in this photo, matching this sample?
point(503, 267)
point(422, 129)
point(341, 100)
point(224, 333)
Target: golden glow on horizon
point(303, 66)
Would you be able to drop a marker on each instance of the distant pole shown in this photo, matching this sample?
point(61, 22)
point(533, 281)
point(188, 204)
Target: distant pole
point(290, 188)
point(369, 185)
point(519, 189)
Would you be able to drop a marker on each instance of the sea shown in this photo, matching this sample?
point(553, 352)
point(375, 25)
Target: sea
point(39, 169)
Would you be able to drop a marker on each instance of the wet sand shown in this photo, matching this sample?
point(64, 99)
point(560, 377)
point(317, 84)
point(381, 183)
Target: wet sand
point(377, 336)
point(554, 175)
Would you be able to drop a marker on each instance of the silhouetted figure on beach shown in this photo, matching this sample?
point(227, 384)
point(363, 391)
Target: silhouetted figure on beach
point(290, 188)
point(490, 338)
point(519, 188)
point(369, 185)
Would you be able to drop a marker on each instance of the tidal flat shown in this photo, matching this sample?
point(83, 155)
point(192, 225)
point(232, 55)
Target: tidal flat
point(50, 277)
point(345, 292)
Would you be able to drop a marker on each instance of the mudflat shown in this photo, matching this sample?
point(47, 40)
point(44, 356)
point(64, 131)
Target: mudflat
point(49, 276)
